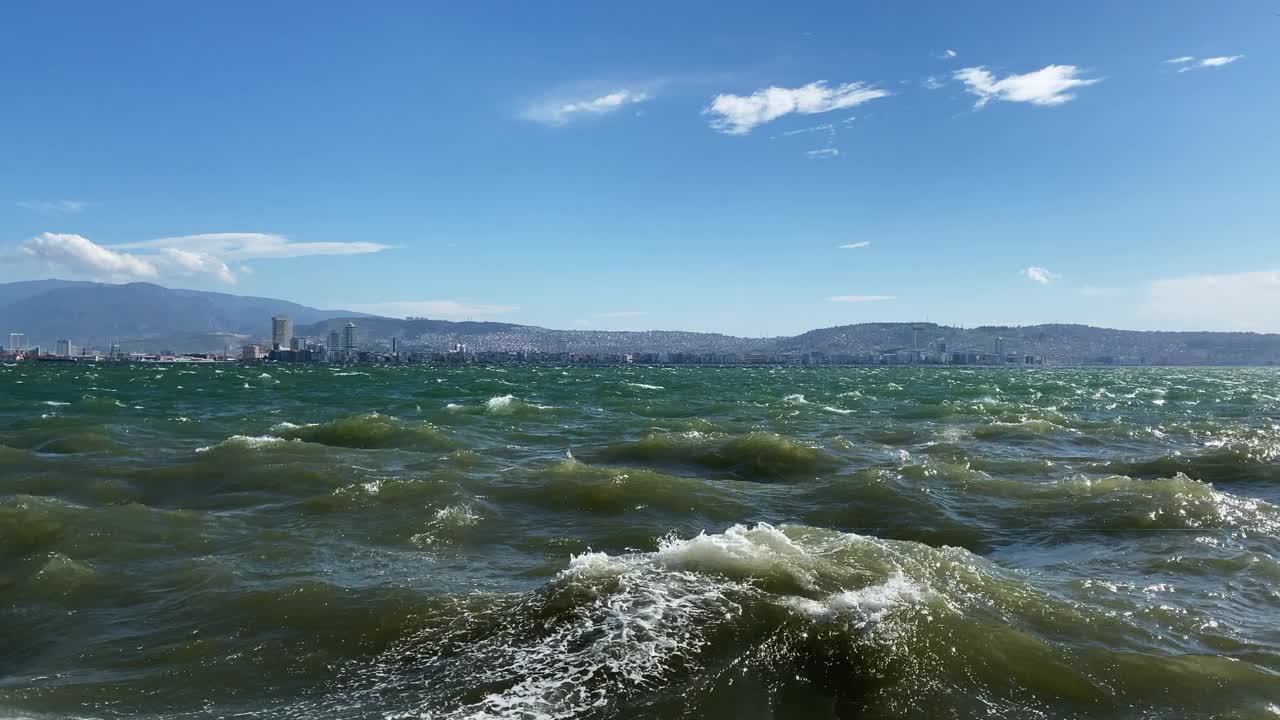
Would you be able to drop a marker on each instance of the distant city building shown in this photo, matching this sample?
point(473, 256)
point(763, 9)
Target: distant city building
point(298, 343)
point(250, 352)
point(17, 342)
point(64, 348)
point(281, 332)
point(349, 338)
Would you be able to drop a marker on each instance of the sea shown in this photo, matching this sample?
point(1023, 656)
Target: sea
point(359, 541)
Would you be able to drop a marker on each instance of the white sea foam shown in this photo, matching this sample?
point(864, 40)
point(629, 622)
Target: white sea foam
point(646, 614)
point(499, 403)
point(245, 441)
point(646, 386)
point(795, 399)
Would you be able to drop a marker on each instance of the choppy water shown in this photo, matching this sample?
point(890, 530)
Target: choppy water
point(290, 542)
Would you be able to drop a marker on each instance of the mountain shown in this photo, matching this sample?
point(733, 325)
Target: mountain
point(13, 292)
point(100, 314)
point(146, 317)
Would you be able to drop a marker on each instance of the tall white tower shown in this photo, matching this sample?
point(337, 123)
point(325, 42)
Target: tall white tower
point(281, 332)
point(349, 337)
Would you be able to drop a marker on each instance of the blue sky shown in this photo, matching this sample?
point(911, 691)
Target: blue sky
point(658, 165)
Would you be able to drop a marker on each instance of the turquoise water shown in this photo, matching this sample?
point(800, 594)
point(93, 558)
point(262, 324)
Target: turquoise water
point(396, 542)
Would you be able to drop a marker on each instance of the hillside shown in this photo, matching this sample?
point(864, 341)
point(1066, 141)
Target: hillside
point(101, 314)
point(141, 316)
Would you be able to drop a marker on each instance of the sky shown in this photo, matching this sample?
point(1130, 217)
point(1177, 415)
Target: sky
point(747, 167)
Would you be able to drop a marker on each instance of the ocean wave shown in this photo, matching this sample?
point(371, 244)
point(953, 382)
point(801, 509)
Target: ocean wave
point(786, 620)
point(500, 405)
point(244, 442)
point(1235, 460)
point(756, 455)
point(371, 431)
point(1109, 502)
point(570, 484)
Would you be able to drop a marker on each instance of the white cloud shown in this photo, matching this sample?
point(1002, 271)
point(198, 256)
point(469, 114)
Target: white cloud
point(559, 112)
point(856, 245)
point(252, 246)
point(948, 54)
point(822, 153)
point(1190, 63)
point(933, 83)
point(1219, 61)
point(80, 257)
point(1235, 301)
point(1040, 275)
point(740, 114)
point(185, 262)
point(827, 128)
point(1047, 86)
point(207, 256)
point(862, 298)
point(54, 206)
point(433, 309)
point(77, 256)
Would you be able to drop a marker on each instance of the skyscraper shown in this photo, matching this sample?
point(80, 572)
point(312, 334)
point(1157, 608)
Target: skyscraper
point(335, 342)
point(349, 338)
point(17, 341)
point(64, 348)
point(281, 332)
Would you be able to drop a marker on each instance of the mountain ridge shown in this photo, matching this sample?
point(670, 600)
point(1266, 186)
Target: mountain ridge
point(149, 317)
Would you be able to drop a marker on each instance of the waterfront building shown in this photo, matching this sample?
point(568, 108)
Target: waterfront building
point(281, 332)
point(349, 338)
point(17, 342)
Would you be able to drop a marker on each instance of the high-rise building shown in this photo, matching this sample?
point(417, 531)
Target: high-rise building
point(335, 341)
point(298, 343)
point(349, 338)
point(64, 348)
point(281, 332)
point(17, 342)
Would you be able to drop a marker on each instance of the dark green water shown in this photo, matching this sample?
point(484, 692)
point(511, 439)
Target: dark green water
point(290, 542)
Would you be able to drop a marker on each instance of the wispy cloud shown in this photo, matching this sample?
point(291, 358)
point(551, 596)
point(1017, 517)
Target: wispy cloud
point(822, 153)
point(949, 54)
point(856, 245)
point(1050, 85)
point(740, 114)
point(861, 298)
point(1040, 275)
point(209, 256)
point(253, 246)
point(824, 128)
point(433, 309)
point(1231, 301)
point(77, 256)
point(1219, 61)
point(933, 82)
point(54, 206)
point(1188, 63)
point(558, 112)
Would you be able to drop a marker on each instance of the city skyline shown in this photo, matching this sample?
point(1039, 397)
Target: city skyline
point(763, 175)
